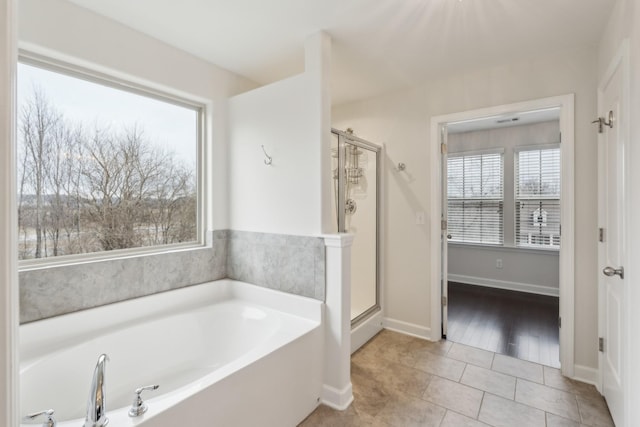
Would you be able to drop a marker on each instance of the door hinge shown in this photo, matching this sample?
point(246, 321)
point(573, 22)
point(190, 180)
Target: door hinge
point(444, 301)
point(559, 322)
point(602, 122)
point(443, 148)
point(560, 136)
point(601, 235)
point(601, 344)
point(443, 224)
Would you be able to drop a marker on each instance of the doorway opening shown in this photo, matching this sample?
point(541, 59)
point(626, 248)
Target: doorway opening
point(502, 277)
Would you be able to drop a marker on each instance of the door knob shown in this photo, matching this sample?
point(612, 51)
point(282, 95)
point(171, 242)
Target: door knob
point(610, 271)
point(449, 236)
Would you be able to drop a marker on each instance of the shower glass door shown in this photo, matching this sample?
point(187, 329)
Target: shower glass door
point(355, 207)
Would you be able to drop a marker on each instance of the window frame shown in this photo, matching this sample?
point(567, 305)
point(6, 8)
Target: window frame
point(469, 153)
point(147, 89)
point(535, 247)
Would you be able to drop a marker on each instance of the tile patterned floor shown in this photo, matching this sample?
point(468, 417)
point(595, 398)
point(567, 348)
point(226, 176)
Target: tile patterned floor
point(404, 381)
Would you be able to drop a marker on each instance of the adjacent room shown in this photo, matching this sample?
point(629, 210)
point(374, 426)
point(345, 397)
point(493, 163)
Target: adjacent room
point(319, 213)
point(503, 233)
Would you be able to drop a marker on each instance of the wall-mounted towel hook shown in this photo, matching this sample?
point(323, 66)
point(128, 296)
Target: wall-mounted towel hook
point(268, 160)
point(401, 166)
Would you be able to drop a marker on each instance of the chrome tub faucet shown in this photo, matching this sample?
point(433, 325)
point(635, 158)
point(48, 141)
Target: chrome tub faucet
point(96, 409)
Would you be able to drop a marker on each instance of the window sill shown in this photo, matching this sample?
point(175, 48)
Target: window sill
point(71, 260)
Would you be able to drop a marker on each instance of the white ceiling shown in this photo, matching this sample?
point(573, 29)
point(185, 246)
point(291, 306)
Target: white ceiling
point(378, 45)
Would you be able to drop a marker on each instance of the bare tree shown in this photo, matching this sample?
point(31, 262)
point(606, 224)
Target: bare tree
point(104, 190)
point(125, 175)
point(38, 121)
point(166, 210)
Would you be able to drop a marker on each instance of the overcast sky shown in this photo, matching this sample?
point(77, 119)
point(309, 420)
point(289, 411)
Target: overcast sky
point(165, 124)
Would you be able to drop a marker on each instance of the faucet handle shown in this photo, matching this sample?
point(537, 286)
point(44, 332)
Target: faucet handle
point(49, 422)
point(138, 407)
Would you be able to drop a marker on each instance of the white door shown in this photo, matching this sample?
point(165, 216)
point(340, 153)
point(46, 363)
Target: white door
point(444, 233)
point(611, 199)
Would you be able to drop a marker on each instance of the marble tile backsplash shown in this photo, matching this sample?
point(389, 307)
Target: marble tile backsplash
point(292, 264)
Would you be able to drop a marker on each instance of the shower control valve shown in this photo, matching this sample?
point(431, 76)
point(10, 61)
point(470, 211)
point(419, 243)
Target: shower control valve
point(350, 206)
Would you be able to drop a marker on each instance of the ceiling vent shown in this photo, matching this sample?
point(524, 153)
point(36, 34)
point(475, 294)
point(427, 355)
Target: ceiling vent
point(512, 119)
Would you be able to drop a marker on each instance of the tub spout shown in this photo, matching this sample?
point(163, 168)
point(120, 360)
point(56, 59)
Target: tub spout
point(96, 409)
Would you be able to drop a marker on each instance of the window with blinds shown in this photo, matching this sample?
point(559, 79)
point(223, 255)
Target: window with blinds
point(475, 197)
point(537, 198)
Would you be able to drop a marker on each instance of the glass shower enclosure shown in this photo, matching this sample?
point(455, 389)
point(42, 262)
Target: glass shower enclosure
point(356, 205)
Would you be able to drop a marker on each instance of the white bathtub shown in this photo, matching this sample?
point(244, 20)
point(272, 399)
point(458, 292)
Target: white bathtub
point(224, 353)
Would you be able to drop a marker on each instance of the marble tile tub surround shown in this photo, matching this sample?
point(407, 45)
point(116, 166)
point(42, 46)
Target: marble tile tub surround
point(292, 264)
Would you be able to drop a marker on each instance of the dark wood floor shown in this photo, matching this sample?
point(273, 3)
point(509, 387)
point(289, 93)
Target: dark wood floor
point(516, 324)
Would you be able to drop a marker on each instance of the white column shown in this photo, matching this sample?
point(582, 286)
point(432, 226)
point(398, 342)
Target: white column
point(336, 391)
point(8, 220)
point(318, 70)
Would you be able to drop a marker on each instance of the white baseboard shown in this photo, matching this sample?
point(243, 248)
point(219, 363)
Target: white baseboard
point(586, 375)
point(407, 328)
point(503, 284)
point(337, 399)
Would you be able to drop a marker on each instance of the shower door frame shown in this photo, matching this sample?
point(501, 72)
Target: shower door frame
point(345, 137)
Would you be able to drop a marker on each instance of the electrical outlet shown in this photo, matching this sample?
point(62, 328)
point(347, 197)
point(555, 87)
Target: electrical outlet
point(499, 263)
point(420, 218)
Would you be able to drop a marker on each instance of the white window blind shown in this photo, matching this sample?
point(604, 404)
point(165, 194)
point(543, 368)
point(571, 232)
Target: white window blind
point(537, 198)
point(475, 197)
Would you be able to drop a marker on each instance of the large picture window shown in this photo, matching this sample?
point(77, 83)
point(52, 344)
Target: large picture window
point(537, 198)
point(102, 167)
point(475, 197)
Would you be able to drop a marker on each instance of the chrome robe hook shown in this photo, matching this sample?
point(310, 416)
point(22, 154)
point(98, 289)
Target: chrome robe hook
point(268, 159)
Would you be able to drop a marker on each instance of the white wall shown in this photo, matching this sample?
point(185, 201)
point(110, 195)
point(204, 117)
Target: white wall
point(524, 270)
point(527, 270)
point(401, 120)
point(625, 23)
point(290, 196)
point(70, 33)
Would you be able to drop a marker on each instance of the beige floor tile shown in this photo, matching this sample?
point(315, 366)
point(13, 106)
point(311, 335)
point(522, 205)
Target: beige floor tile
point(554, 378)
point(556, 421)
point(365, 358)
point(494, 382)
point(324, 416)
point(394, 376)
point(475, 356)
point(369, 396)
point(387, 339)
point(594, 411)
point(439, 365)
point(396, 349)
point(389, 390)
point(408, 352)
point(548, 399)
point(455, 396)
point(453, 419)
point(500, 412)
point(518, 368)
point(405, 411)
point(440, 347)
